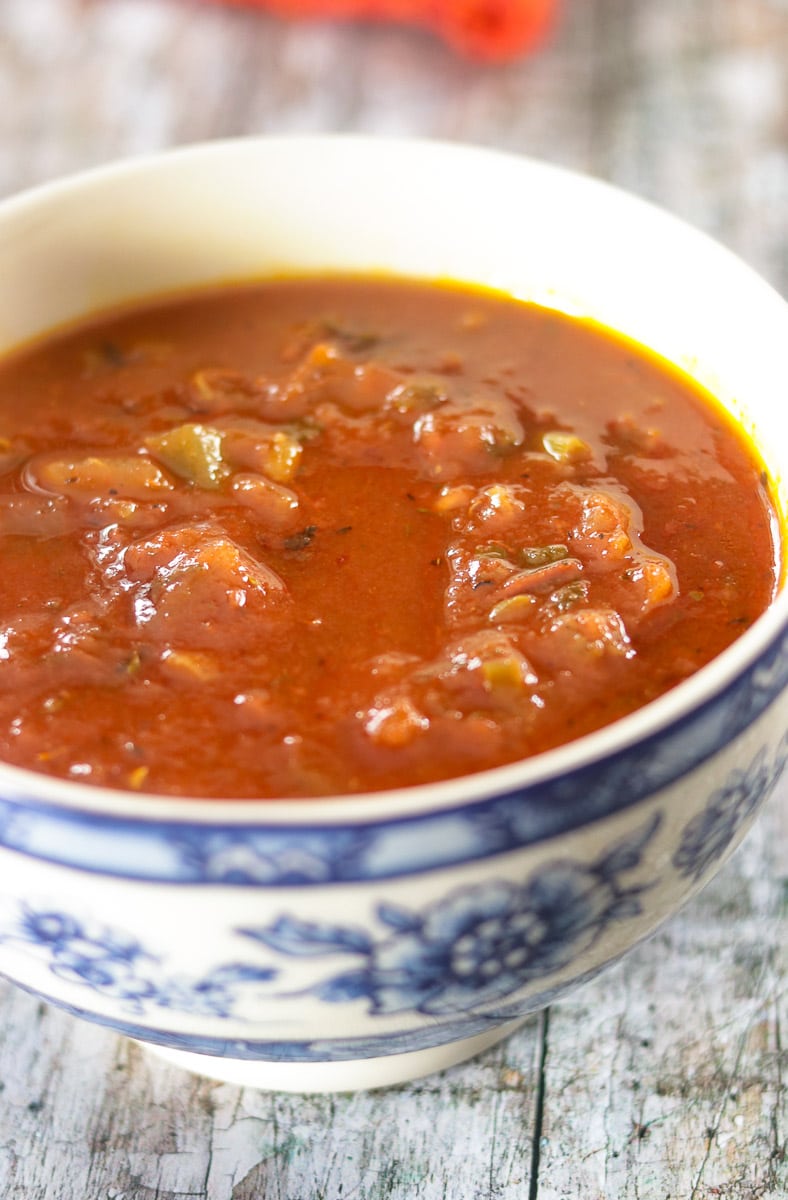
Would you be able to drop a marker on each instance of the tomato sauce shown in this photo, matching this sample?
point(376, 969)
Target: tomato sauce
point(317, 536)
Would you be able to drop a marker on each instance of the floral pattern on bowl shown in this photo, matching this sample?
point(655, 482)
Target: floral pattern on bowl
point(474, 947)
point(115, 964)
point(708, 835)
point(477, 945)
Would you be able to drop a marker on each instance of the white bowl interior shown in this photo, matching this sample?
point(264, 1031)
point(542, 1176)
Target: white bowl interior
point(253, 208)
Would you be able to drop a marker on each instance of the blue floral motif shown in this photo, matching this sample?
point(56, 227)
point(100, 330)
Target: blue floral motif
point(477, 945)
point(114, 964)
point(709, 834)
point(400, 1041)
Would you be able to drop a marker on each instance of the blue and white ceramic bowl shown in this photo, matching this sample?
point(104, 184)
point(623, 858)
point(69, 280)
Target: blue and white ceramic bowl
point(355, 942)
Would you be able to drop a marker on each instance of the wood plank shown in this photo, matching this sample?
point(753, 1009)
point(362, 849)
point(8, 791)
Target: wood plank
point(677, 1058)
point(86, 1114)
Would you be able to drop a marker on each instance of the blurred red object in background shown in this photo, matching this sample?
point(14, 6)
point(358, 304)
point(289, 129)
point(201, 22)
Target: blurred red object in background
point(488, 30)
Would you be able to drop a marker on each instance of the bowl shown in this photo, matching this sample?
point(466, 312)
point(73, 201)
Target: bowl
point(360, 941)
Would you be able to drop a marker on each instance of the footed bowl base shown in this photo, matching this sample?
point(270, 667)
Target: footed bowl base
point(347, 1076)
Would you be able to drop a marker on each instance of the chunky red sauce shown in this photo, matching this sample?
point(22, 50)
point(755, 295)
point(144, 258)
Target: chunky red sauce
point(330, 535)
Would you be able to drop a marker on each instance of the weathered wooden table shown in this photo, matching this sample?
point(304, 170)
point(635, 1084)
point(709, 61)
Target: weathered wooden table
point(664, 1079)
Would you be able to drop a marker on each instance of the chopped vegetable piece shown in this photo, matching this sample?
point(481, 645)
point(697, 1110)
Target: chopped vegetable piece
point(130, 476)
point(454, 437)
point(394, 724)
point(416, 396)
point(654, 580)
point(545, 578)
point(192, 451)
point(498, 509)
point(566, 447)
point(585, 635)
point(259, 446)
point(493, 550)
point(216, 390)
point(540, 556)
point(198, 666)
point(503, 673)
point(513, 608)
point(451, 499)
point(568, 596)
point(137, 777)
point(481, 670)
point(275, 506)
point(284, 454)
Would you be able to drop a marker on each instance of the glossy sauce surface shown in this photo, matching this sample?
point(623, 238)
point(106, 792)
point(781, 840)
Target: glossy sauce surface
point(317, 536)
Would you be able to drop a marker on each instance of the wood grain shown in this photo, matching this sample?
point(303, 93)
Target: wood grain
point(685, 101)
point(666, 1078)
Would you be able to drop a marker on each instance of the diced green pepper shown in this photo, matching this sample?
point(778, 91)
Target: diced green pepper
point(541, 556)
point(192, 451)
point(416, 396)
point(568, 596)
point(492, 550)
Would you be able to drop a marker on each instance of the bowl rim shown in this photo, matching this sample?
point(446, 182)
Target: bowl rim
point(654, 718)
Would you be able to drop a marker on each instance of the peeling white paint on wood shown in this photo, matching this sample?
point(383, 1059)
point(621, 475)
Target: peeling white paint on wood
point(665, 1078)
